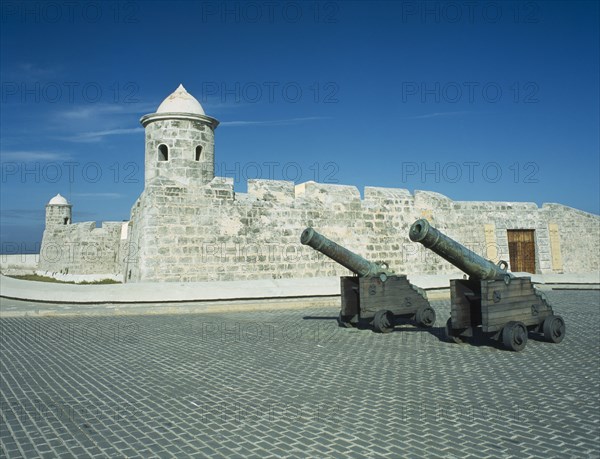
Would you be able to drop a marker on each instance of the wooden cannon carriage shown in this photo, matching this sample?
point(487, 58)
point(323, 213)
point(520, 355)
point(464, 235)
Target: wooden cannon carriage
point(492, 301)
point(375, 295)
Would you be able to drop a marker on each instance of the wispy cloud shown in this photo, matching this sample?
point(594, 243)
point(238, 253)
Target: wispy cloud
point(98, 195)
point(92, 123)
point(32, 156)
point(435, 115)
point(283, 122)
point(97, 136)
point(92, 112)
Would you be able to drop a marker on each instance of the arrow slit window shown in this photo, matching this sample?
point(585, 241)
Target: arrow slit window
point(163, 152)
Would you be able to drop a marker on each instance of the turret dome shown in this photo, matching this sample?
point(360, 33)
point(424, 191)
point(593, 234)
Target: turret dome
point(58, 200)
point(180, 101)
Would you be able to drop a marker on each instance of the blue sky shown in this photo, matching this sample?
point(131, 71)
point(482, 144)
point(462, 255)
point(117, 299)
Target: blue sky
point(478, 101)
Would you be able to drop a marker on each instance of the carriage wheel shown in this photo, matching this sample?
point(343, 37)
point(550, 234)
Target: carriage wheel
point(383, 322)
point(514, 336)
point(425, 316)
point(450, 334)
point(343, 321)
point(554, 329)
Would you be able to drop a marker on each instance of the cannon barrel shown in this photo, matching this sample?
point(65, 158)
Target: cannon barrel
point(466, 260)
point(355, 263)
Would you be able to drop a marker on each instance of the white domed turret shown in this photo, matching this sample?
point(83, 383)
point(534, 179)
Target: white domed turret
point(58, 200)
point(180, 140)
point(58, 211)
point(180, 101)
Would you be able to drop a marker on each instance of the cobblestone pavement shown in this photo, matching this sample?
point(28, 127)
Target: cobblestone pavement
point(292, 384)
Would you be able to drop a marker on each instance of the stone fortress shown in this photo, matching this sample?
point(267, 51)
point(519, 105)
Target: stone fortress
point(188, 225)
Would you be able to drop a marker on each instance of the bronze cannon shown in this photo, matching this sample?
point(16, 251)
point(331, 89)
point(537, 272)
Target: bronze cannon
point(375, 295)
point(492, 301)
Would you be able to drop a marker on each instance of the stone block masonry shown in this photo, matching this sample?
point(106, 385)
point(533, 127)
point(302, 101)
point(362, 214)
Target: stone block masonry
point(189, 149)
point(184, 232)
point(82, 248)
point(187, 233)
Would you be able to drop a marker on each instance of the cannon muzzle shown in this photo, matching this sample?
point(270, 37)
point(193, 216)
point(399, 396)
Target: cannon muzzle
point(355, 263)
point(466, 260)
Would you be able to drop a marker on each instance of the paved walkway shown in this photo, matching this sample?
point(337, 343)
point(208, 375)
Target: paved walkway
point(291, 384)
point(235, 290)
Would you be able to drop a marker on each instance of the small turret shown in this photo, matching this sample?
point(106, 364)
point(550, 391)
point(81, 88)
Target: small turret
point(180, 140)
point(58, 211)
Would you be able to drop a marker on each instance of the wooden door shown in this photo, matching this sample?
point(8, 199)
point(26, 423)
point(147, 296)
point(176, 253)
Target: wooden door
point(521, 250)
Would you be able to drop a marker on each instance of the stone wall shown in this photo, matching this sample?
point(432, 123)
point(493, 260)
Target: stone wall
point(196, 233)
point(182, 233)
point(82, 248)
point(578, 237)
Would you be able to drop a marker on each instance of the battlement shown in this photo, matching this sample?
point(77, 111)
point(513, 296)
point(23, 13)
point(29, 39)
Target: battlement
point(287, 193)
point(555, 207)
point(272, 190)
point(396, 195)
